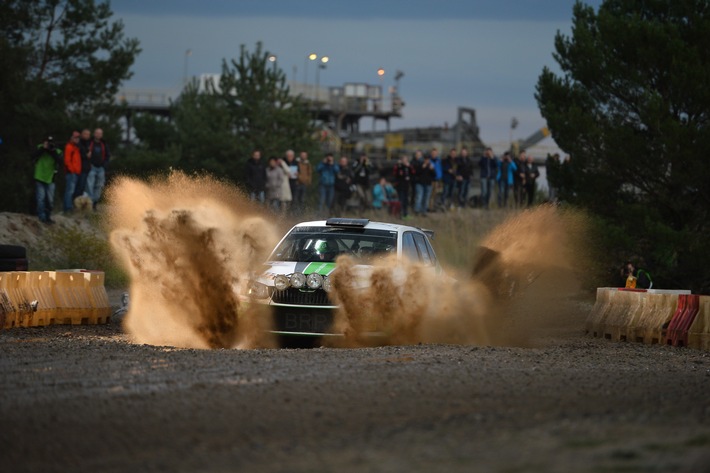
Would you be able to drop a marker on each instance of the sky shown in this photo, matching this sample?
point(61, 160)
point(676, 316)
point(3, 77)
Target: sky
point(481, 54)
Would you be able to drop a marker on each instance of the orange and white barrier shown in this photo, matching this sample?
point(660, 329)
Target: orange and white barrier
point(61, 297)
point(673, 317)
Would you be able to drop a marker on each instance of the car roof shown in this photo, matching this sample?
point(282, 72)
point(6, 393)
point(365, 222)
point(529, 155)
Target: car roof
point(369, 225)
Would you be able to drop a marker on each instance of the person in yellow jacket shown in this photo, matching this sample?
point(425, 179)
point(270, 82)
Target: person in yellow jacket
point(72, 170)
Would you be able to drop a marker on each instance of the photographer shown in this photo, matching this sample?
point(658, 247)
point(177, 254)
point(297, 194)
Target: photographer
point(47, 159)
point(361, 177)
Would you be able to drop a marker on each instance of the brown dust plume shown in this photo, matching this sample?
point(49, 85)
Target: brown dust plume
point(518, 291)
point(187, 243)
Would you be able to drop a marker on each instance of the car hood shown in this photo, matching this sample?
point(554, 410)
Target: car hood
point(274, 268)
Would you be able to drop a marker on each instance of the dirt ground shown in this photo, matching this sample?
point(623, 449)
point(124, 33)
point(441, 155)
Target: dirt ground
point(84, 398)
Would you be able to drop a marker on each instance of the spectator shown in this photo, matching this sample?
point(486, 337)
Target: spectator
point(343, 185)
point(286, 195)
point(255, 176)
point(361, 177)
point(636, 279)
point(439, 174)
point(448, 179)
point(291, 164)
point(488, 169)
point(46, 160)
point(384, 195)
point(505, 177)
point(84, 144)
point(531, 173)
point(402, 176)
point(464, 171)
point(275, 178)
point(416, 163)
point(519, 177)
point(99, 155)
point(72, 170)
point(425, 178)
point(305, 176)
point(327, 170)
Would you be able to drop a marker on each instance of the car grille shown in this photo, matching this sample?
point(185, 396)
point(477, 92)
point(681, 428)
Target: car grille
point(300, 297)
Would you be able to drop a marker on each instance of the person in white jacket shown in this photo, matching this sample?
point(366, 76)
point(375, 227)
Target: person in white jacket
point(286, 195)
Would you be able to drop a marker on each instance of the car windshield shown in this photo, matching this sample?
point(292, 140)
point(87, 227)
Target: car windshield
point(327, 243)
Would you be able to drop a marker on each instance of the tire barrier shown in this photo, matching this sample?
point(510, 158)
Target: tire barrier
point(40, 298)
point(653, 316)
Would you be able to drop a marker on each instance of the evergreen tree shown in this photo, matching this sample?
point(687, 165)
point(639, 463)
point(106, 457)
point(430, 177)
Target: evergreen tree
point(632, 108)
point(61, 64)
point(216, 126)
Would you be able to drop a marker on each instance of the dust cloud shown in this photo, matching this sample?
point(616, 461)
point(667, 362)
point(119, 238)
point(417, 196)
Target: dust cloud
point(517, 294)
point(187, 243)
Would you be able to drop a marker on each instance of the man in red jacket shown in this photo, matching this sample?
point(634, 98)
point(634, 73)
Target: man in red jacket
point(72, 169)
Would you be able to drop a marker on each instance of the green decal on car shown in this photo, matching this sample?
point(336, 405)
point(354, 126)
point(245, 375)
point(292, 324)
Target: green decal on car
point(323, 269)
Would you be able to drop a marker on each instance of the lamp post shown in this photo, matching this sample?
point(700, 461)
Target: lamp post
point(272, 60)
point(323, 61)
point(381, 74)
point(310, 57)
point(188, 53)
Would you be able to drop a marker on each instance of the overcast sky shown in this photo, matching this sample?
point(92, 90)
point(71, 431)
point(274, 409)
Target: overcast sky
point(482, 54)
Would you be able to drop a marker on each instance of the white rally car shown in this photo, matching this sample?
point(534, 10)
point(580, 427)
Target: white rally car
point(296, 282)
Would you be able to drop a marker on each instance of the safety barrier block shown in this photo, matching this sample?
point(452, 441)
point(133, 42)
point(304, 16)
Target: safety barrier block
point(37, 286)
point(652, 323)
point(625, 303)
point(599, 313)
point(677, 332)
point(15, 284)
point(98, 297)
point(600, 306)
point(73, 305)
point(699, 331)
point(7, 308)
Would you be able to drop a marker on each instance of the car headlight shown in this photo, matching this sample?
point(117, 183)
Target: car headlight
point(259, 290)
point(281, 282)
point(314, 280)
point(326, 284)
point(298, 280)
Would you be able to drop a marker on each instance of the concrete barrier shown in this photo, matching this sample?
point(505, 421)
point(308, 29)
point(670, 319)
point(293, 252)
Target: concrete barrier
point(699, 331)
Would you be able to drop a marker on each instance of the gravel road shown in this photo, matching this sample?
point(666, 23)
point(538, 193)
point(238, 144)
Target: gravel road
point(84, 398)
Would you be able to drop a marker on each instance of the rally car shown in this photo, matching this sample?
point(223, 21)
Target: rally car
point(296, 284)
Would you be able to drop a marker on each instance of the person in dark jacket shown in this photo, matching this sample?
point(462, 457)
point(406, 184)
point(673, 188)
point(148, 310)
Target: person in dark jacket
point(255, 177)
point(464, 171)
point(530, 175)
point(99, 155)
point(489, 169)
point(425, 176)
point(402, 174)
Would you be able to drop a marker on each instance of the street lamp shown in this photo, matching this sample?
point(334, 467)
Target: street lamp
point(272, 59)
